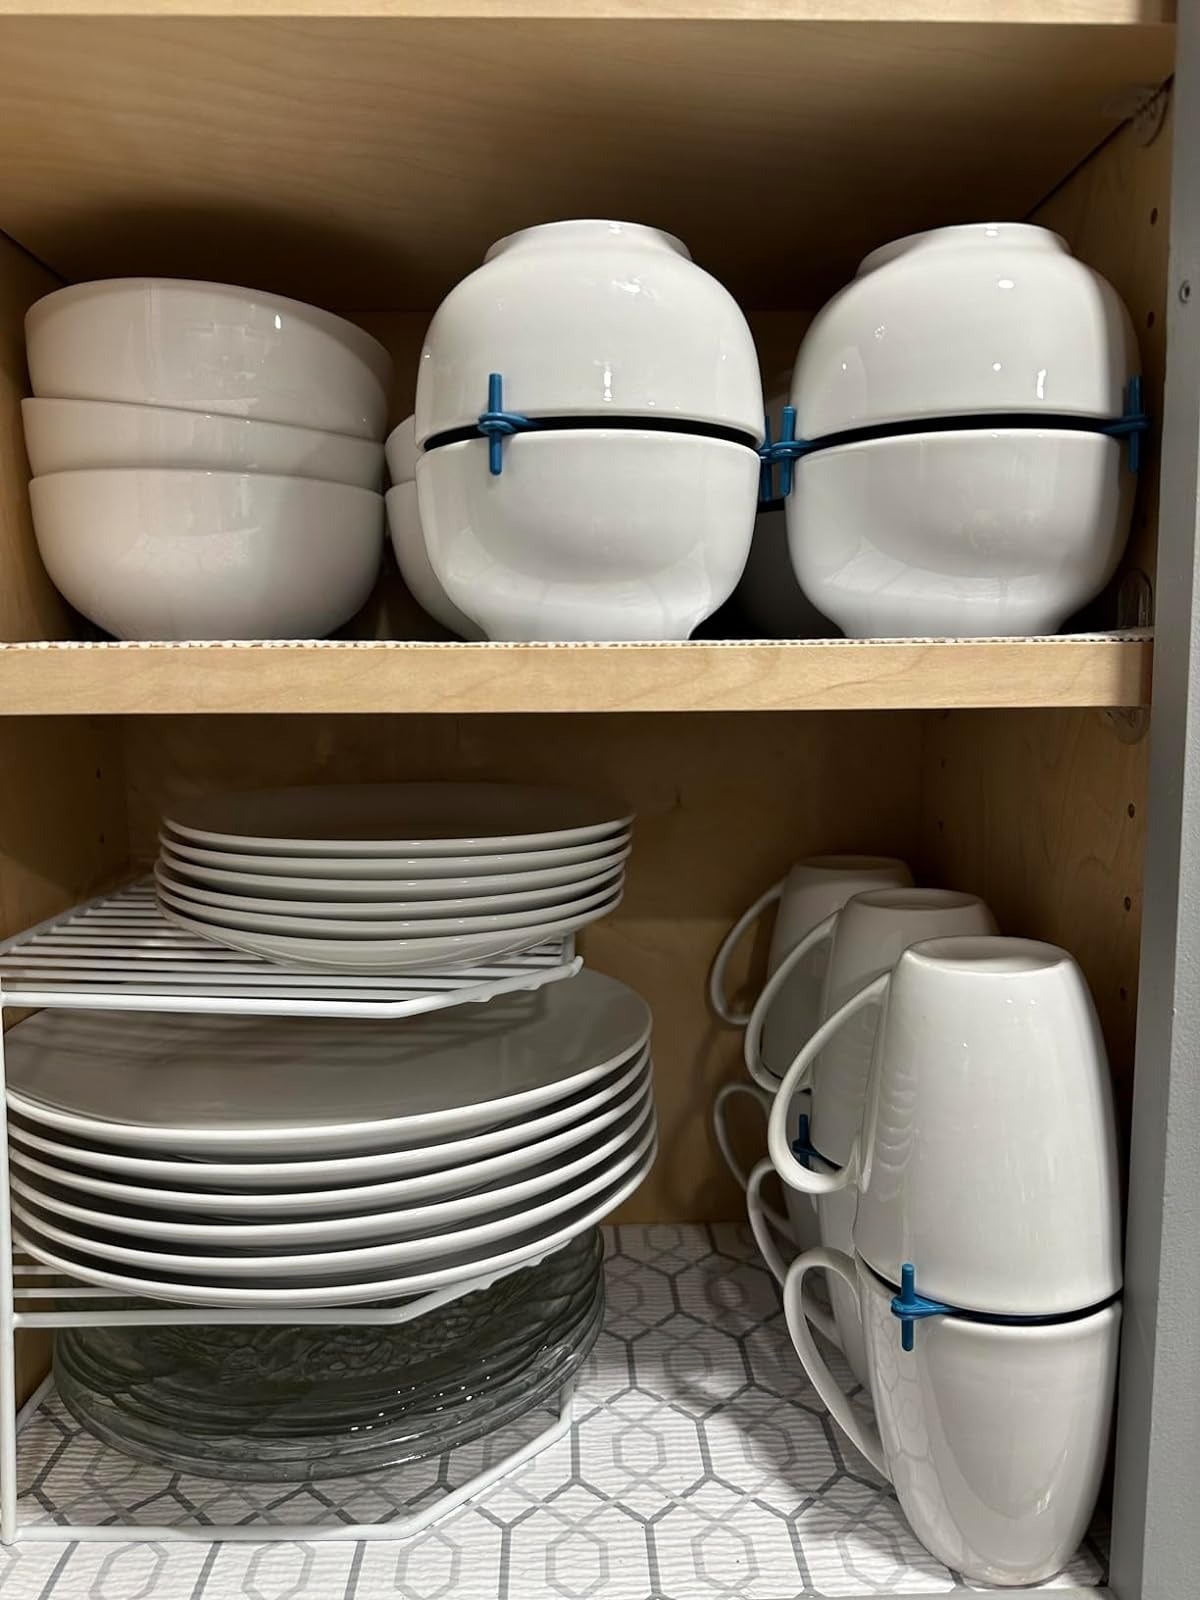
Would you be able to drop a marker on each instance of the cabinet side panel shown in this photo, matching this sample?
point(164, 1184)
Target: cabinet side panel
point(30, 606)
point(1114, 212)
point(1042, 813)
point(724, 803)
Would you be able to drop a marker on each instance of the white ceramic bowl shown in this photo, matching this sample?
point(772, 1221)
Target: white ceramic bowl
point(76, 435)
point(588, 318)
point(402, 452)
point(960, 534)
point(590, 534)
point(155, 554)
point(408, 541)
point(208, 347)
point(992, 317)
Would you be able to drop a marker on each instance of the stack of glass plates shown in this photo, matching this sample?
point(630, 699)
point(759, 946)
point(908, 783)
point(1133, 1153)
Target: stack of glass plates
point(286, 1162)
point(283, 1404)
point(391, 877)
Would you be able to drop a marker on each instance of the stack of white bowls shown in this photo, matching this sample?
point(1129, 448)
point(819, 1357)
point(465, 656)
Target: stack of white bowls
point(626, 510)
point(207, 460)
point(391, 877)
point(959, 388)
point(965, 1092)
point(408, 538)
point(256, 1162)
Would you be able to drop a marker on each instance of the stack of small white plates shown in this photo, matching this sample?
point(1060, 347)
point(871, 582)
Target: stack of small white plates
point(391, 877)
point(253, 1161)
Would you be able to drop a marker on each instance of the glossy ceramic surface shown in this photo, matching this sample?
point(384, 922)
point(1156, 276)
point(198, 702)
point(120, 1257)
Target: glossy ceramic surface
point(396, 819)
point(52, 1166)
point(584, 318)
point(339, 954)
point(71, 435)
point(276, 1184)
point(489, 891)
point(401, 450)
point(589, 534)
point(145, 1228)
point(287, 1087)
point(501, 867)
point(159, 554)
point(797, 1225)
point(987, 317)
point(960, 534)
point(208, 347)
point(995, 1436)
point(412, 557)
point(990, 1085)
point(452, 1266)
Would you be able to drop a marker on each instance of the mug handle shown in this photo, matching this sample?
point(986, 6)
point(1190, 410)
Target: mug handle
point(862, 1434)
point(716, 978)
point(789, 1169)
point(761, 1098)
point(760, 1213)
point(752, 1046)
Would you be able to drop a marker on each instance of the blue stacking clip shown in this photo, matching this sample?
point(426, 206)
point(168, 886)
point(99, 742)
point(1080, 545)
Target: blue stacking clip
point(802, 1147)
point(910, 1306)
point(496, 424)
point(1131, 424)
point(786, 458)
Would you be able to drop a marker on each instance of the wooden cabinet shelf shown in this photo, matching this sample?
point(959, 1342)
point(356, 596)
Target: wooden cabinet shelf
point(832, 675)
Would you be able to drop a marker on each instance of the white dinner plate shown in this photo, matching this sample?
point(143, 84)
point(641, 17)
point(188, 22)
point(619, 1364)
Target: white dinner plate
point(288, 1086)
point(438, 916)
point(417, 1171)
point(479, 893)
point(509, 1166)
point(386, 955)
point(595, 1155)
point(502, 864)
point(523, 1249)
point(396, 819)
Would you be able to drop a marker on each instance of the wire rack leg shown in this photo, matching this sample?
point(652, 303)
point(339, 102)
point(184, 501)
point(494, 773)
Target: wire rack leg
point(393, 1532)
point(8, 1352)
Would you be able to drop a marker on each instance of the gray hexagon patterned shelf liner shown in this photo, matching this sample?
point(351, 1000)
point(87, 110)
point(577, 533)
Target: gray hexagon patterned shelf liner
point(701, 1467)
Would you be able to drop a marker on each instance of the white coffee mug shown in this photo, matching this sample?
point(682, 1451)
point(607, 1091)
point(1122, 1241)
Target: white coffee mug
point(764, 1222)
point(811, 890)
point(866, 937)
point(987, 1156)
point(994, 1433)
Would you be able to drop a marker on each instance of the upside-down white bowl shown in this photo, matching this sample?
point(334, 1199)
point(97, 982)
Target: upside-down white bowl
point(402, 452)
point(590, 318)
point(208, 347)
point(589, 534)
point(77, 435)
point(959, 534)
point(991, 317)
point(408, 541)
point(156, 554)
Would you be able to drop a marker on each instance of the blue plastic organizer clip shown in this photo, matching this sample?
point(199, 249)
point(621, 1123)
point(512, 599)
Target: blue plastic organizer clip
point(911, 1307)
point(496, 424)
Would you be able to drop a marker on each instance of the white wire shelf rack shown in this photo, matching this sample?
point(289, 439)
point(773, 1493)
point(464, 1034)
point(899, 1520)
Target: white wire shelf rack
point(119, 952)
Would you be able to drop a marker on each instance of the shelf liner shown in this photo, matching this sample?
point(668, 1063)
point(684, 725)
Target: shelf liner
point(701, 1464)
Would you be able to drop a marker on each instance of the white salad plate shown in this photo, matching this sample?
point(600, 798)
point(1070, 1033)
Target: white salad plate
point(386, 955)
point(365, 1180)
point(386, 916)
point(346, 1277)
point(396, 819)
point(463, 1178)
point(436, 1217)
point(285, 1086)
point(469, 890)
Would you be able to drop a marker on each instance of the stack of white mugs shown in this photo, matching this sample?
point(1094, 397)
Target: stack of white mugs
point(939, 1108)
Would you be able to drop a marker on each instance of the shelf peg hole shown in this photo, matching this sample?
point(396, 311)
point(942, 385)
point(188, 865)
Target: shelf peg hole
point(1128, 903)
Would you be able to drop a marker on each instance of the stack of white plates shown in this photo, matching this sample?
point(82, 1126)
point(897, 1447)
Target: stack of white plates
point(392, 877)
point(252, 1161)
